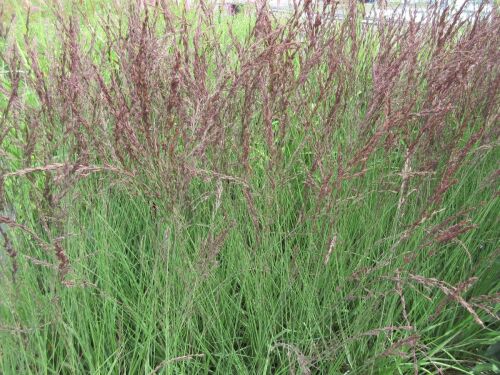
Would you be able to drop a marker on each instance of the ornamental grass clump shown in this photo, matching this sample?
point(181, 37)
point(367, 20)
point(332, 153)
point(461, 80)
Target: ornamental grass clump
point(185, 191)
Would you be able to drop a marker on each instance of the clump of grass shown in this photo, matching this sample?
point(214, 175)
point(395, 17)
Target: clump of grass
point(183, 191)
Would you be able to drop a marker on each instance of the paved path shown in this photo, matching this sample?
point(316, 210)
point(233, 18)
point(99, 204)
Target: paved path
point(415, 8)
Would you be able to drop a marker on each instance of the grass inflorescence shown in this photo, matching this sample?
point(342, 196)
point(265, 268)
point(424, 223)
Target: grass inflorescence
point(187, 192)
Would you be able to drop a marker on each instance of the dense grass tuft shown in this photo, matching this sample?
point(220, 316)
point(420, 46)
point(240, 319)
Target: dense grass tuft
point(187, 192)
